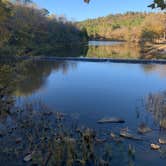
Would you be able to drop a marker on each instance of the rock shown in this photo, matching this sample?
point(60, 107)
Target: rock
point(154, 146)
point(28, 157)
point(143, 128)
point(127, 135)
point(162, 140)
point(111, 120)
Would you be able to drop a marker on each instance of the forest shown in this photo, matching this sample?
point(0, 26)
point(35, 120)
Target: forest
point(130, 26)
point(25, 29)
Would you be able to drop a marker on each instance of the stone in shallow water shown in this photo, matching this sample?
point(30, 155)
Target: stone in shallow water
point(154, 146)
point(111, 120)
point(28, 157)
point(143, 128)
point(127, 135)
point(162, 140)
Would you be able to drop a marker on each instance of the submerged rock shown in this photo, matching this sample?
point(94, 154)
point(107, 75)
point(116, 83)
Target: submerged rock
point(28, 157)
point(162, 140)
point(154, 146)
point(111, 120)
point(143, 128)
point(127, 135)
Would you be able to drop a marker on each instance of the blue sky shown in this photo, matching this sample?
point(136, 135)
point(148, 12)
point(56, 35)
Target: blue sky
point(78, 10)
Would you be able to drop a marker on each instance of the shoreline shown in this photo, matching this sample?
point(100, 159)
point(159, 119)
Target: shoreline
point(86, 59)
point(112, 60)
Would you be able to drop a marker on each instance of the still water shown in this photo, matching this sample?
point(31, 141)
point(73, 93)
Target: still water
point(101, 49)
point(89, 91)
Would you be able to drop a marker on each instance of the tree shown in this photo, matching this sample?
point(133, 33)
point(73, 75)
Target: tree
point(5, 12)
point(156, 4)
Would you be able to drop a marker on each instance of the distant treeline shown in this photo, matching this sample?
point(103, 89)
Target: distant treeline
point(26, 29)
point(131, 26)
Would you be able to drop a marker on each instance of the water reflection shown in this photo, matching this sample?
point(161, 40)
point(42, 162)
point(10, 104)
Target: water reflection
point(35, 74)
point(153, 68)
point(114, 50)
point(156, 104)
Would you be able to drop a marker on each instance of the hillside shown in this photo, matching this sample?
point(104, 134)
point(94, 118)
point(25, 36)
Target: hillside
point(131, 26)
point(26, 29)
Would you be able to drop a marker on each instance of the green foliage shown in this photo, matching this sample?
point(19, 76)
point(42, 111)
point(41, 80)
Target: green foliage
point(130, 26)
point(32, 31)
point(158, 4)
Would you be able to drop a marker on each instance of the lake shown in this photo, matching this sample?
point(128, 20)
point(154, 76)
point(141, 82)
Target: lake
point(89, 91)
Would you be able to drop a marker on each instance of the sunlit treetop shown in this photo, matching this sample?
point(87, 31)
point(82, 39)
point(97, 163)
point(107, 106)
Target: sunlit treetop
point(155, 4)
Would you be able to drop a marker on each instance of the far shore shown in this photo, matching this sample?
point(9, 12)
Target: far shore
point(151, 53)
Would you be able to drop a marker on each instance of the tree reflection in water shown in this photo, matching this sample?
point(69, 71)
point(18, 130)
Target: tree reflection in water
point(25, 77)
point(35, 73)
point(122, 50)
